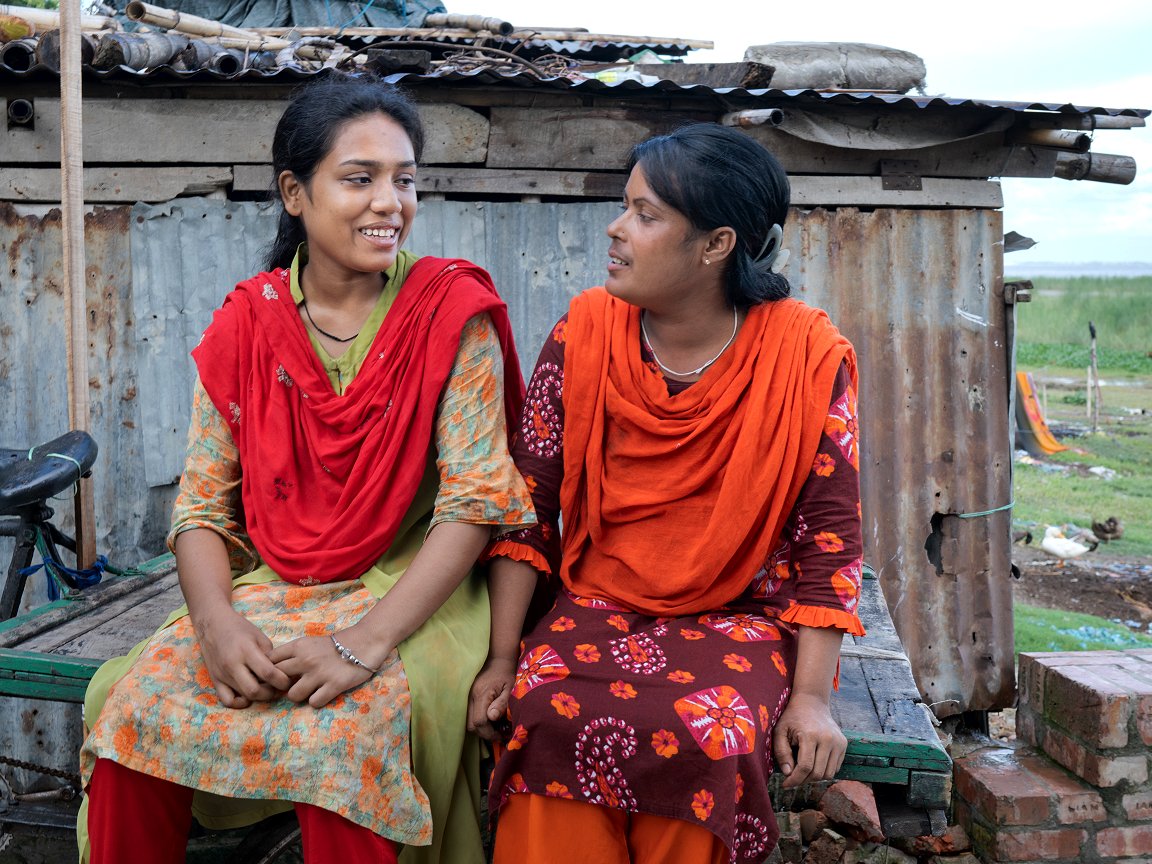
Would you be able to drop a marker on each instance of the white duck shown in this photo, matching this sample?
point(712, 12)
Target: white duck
point(1059, 546)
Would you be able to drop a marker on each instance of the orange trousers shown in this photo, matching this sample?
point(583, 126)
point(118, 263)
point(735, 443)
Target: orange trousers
point(535, 829)
point(134, 818)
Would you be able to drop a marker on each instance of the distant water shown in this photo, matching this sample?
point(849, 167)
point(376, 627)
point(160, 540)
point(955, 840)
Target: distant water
point(1088, 268)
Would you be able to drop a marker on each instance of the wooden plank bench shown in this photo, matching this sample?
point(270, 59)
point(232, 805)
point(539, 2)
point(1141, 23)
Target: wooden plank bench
point(892, 740)
point(51, 653)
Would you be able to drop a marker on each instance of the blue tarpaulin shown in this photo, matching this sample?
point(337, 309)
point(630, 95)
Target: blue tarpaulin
point(310, 13)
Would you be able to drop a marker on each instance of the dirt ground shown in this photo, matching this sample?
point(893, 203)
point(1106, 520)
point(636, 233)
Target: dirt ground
point(1108, 586)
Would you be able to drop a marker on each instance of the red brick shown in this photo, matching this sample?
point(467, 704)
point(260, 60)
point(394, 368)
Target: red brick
point(1137, 807)
point(1035, 845)
point(962, 813)
point(1102, 771)
point(953, 841)
point(828, 848)
point(1073, 658)
point(1076, 801)
point(1029, 727)
point(1130, 840)
point(1138, 683)
point(812, 822)
point(1030, 681)
point(851, 804)
point(1089, 704)
point(998, 787)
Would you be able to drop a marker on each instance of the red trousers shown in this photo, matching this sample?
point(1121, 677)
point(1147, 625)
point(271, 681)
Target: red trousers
point(135, 818)
point(535, 829)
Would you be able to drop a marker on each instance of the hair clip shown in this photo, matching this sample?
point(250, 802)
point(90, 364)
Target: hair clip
point(776, 259)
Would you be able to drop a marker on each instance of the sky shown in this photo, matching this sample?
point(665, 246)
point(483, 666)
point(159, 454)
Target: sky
point(1003, 50)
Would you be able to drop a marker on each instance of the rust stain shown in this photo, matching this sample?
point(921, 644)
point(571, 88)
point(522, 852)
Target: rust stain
point(933, 404)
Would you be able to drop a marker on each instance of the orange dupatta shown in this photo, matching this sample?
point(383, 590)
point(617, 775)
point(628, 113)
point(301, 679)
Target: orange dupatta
point(672, 503)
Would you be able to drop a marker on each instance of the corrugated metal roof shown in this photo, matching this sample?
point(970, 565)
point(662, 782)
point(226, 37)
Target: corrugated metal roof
point(489, 77)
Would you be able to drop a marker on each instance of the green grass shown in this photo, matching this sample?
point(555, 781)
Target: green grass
point(1076, 358)
point(1040, 629)
point(1061, 309)
point(1049, 498)
point(1053, 344)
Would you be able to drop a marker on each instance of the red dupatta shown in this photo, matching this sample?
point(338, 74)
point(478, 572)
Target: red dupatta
point(671, 503)
point(327, 479)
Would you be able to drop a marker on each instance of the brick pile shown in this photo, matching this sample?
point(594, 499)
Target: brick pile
point(1078, 788)
point(841, 825)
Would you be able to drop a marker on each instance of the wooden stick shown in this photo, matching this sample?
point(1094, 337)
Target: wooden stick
point(1088, 393)
point(72, 228)
point(50, 19)
point(1094, 372)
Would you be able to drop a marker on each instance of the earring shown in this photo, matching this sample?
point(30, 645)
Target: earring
point(707, 261)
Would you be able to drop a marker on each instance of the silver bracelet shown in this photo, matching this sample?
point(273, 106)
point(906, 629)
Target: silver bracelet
point(345, 654)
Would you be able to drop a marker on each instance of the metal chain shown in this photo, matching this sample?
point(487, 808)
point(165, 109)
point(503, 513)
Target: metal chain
point(71, 776)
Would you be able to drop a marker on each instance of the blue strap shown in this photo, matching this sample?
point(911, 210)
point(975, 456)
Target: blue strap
point(73, 578)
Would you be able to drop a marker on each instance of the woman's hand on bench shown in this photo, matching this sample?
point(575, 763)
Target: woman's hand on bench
point(807, 742)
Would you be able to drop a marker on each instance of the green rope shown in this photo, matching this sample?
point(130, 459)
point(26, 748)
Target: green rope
point(1007, 506)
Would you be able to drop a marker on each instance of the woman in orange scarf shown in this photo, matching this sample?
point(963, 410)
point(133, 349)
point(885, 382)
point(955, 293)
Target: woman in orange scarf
point(696, 431)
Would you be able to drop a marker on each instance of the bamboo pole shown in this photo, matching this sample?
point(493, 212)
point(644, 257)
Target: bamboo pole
point(181, 22)
point(72, 229)
point(1077, 142)
point(1088, 122)
point(468, 22)
point(1100, 167)
point(50, 19)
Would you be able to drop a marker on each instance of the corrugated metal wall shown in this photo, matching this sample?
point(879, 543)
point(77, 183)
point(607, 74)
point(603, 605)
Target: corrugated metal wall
point(918, 291)
point(920, 295)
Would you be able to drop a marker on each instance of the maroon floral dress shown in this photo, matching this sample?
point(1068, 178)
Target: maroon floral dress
point(673, 716)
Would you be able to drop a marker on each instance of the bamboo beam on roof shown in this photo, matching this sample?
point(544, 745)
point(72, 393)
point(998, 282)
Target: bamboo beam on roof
point(523, 35)
point(50, 19)
point(181, 22)
point(468, 22)
point(1100, 167)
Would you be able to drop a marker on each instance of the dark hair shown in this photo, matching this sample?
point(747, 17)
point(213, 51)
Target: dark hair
point(308, 128)
point(717, 176)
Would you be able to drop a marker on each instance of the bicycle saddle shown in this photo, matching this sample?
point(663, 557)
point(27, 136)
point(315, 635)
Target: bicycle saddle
point(52, 468)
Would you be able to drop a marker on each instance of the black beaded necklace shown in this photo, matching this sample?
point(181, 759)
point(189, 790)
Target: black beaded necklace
point(323, 332)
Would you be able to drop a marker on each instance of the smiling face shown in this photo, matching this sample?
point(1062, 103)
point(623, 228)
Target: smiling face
point(358, 206)
point(656, 257)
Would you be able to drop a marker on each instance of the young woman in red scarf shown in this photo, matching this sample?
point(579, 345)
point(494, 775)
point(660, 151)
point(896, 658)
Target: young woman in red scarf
point(347, 464)
point(696, 430)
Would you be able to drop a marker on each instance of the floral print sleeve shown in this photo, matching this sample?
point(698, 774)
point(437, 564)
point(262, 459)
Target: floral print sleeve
point(538, 448)
point(210, 485)
point(479, 483)
point(813, 577)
